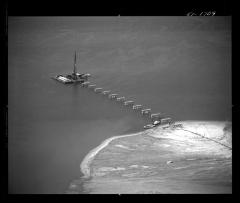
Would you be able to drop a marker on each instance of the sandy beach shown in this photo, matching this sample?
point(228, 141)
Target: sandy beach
point(84, 166)
point(195, 143)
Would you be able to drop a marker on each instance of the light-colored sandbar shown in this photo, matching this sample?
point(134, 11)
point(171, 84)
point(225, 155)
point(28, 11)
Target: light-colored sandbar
point(84, 166)
point(212, 129)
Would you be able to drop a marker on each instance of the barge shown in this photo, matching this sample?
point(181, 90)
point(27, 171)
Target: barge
point(74, 77)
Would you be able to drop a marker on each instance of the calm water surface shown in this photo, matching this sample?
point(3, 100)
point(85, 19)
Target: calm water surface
point(180, 66)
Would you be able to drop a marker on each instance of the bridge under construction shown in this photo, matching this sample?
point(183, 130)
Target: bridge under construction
point(155, 118)
point(82, 80)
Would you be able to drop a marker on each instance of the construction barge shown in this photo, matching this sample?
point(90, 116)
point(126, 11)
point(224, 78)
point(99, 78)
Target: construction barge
point(74, 77)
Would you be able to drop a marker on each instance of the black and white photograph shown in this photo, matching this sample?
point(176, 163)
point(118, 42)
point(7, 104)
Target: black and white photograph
point(120, 104)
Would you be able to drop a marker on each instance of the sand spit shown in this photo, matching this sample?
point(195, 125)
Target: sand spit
point(84, 166)
point(210, 129)
point(171, 160)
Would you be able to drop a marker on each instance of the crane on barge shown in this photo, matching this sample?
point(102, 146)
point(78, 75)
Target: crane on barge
point(74, 77)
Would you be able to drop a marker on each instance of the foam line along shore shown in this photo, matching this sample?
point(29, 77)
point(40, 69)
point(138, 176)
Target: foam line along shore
point(85, 164)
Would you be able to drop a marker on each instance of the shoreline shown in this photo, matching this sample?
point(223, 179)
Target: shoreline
point(84, 166)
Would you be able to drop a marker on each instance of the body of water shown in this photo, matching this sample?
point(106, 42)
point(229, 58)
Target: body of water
point(180, 66)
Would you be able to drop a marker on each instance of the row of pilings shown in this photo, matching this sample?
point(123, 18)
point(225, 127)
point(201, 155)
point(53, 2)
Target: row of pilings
point(147, 112)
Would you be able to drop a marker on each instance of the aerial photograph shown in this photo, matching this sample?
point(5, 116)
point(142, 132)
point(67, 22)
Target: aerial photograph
point(119, 105)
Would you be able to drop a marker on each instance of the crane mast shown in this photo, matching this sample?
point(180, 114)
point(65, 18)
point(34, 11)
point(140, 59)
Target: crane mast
point(74, 67)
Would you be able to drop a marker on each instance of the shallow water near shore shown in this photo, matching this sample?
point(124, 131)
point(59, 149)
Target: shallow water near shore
point(179, 66)
point(161, 161)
